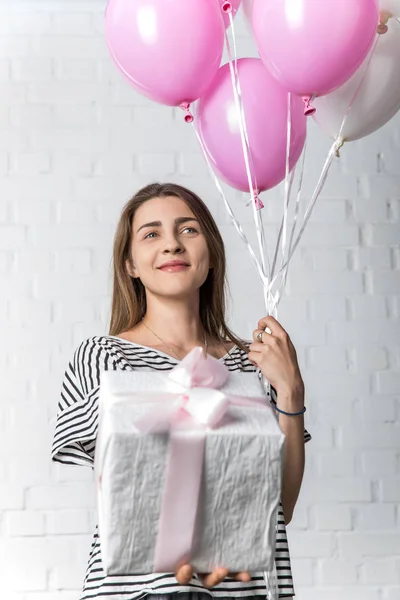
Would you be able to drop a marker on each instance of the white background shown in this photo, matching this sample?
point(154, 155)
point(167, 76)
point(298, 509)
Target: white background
point(75, 143)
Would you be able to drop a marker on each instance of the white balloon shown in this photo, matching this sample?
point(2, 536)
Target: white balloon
point(392, 7)
point(378, 99)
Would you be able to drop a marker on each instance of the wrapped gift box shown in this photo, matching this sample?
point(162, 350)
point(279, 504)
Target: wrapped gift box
point(175, 488)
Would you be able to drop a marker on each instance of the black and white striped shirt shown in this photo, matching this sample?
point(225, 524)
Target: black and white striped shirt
point(74, 443)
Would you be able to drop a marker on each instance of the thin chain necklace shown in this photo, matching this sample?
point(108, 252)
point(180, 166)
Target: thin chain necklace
point(169, 348)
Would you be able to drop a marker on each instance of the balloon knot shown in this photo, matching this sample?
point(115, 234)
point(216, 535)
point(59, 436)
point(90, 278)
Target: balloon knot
point(339, 145)
point(185, 106)
point(383, 21)
point(309, 110)
point(227, 7)
point(258, 201)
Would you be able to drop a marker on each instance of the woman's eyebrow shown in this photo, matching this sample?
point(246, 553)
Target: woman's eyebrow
point(178, 221)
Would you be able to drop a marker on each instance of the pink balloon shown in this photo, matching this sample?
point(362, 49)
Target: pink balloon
point(227, 7)
point(265, 105)
point(169, 50)
point(314, 46)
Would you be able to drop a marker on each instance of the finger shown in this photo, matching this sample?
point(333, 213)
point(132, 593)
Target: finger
point(254, 357)
point(215, 577)
point(184, 574)
point(244, 577)
point(257, 347)
point(272, 324)
point(263, 335)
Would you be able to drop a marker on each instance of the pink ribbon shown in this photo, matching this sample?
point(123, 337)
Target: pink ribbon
point(193, 404)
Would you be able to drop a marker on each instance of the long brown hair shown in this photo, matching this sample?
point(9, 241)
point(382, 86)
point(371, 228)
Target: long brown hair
point(129, 296)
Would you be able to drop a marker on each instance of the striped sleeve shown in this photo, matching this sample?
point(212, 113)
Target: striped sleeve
point(274, 398)
point(77, 418)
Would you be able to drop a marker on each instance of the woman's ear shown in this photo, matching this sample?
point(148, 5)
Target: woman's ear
point(130, 267)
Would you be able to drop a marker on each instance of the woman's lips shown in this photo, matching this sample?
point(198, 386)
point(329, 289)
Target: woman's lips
point(173, 268)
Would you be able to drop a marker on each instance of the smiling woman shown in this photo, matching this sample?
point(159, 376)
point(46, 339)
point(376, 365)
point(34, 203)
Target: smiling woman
point(169, 296)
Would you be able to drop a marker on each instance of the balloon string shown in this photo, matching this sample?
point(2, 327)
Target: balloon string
point(288, 188)
point(314, 198)
point(231, 214)
point(246, 150)
point(297, 208)
point(285, 266)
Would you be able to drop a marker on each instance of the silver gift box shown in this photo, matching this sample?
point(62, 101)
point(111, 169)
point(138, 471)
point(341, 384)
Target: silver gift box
point(241, 480)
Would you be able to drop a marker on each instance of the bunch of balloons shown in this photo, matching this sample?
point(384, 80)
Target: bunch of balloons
point(326, 53)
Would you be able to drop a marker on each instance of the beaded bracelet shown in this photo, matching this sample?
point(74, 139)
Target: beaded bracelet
point(289, 414)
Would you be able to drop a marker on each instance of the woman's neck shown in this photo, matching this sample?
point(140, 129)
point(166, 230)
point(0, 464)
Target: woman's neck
point(175, 322)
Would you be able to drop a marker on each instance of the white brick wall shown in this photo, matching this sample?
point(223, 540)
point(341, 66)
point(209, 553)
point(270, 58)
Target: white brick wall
point(75, 143)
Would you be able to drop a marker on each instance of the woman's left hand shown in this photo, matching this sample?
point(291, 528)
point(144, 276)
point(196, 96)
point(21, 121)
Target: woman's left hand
point(276, 357)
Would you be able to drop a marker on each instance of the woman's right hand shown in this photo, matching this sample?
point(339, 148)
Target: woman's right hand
point(185, 573)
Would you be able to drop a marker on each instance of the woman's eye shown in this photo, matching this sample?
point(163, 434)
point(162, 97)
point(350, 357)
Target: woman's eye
point(147, 236)
point(189, 230)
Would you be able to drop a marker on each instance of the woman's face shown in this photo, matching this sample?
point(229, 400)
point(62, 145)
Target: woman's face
point(168, 248)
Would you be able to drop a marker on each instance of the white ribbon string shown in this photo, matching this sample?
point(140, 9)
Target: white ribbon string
point(247, 155)
point(321, 182)
point(338, 143)
point(231, 214)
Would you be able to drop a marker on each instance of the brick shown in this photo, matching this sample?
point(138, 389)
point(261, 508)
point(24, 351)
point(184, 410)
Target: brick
point(388, 382)
point(376, 210)
point(29, 469)
point(28, 212)
point(68, 495)
point(75, 118)
point(375, 409)
point(11, 497)
point(343, 489)
point(325, 259)
point(385, 435)
point(390, 489)
point(330, 235)
point(20, 577)
point(303, 571)
point(370, 357)
point(371, 330)
point(326, 359)
point(60, 522)
point(24, 311)
point(30, 163)
point(368, 544)
point(365, 307)
point(380, 572)
point(32, 69)
point(386, 282)
point(310, 545)
point(31, 116)
point(333, 593)
point(72, 23)
point(75, 213)
point(74, 70)
point(374, 517)
point(337, 572)
point(336, 463)
point(327, 308)
point(378, 463)
point(69, 47)
point(341, 283)
point(377, 257)
point(385, 234)
point(24, 523)
point(11, 236)
point(332, 517)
